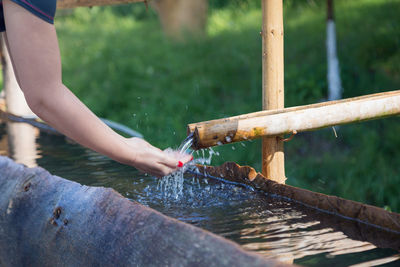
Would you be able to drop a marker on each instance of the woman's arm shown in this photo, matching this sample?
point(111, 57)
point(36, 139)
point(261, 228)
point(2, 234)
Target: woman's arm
point(34, 52)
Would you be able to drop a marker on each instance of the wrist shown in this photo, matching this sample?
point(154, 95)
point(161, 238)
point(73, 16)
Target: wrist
point(124, 153)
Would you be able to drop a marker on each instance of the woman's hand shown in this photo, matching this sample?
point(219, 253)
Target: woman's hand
point(154, 161)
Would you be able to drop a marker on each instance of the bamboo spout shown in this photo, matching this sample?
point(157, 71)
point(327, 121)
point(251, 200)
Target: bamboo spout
point(300, 119)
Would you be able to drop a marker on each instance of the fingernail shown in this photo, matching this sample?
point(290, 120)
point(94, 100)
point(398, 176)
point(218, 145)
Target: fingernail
point(191, 158)
point(180, 164)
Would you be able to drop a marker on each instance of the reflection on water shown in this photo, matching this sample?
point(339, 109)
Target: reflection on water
point(22, 143)
point(271, 226)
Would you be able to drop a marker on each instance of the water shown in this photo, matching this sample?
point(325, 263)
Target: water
point(271, 226)
point(172, 186)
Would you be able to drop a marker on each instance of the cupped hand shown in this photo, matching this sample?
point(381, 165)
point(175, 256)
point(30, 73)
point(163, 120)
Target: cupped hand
point(154, 161)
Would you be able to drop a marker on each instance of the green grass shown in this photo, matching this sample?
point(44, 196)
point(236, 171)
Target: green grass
point(124, 69)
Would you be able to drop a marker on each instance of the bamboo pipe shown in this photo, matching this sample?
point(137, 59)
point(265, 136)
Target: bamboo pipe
point(77, 3)
point(192, 126)
point(301, 118)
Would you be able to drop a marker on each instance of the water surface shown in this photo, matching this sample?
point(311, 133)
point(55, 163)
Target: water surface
point(269, 225)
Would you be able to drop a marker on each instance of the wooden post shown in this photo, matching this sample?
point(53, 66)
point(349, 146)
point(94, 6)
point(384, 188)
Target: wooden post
point(329, 10)
point(273, 165)
point(181, 17)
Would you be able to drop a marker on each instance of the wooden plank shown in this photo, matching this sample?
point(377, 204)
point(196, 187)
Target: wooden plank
point(61, 4)
point(301, 118)
point(273, 165)
point(49, 221)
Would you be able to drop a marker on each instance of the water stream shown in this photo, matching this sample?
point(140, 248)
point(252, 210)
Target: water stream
point(172, 186)
point(272, 226)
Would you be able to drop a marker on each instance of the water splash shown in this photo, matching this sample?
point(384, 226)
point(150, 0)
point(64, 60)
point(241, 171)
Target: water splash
point(172, 186)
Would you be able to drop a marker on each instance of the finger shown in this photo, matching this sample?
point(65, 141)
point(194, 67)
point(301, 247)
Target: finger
point(186, 158)
point(162, 170)
point(182, 157)
point(159, 170)
point(169, 161)
point(165, 170)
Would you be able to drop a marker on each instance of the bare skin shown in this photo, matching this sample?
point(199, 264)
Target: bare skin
point(34, 51)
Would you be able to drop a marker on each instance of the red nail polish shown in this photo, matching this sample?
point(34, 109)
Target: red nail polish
point(191, 158)
point(180, 164)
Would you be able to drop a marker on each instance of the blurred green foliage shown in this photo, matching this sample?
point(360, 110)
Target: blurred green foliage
point(124, 69)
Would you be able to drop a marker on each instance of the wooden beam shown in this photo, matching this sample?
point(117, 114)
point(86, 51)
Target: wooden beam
point(191, 127)
point(61, 4)
point(46, 220)
point(300, 118)
point(273, 85)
